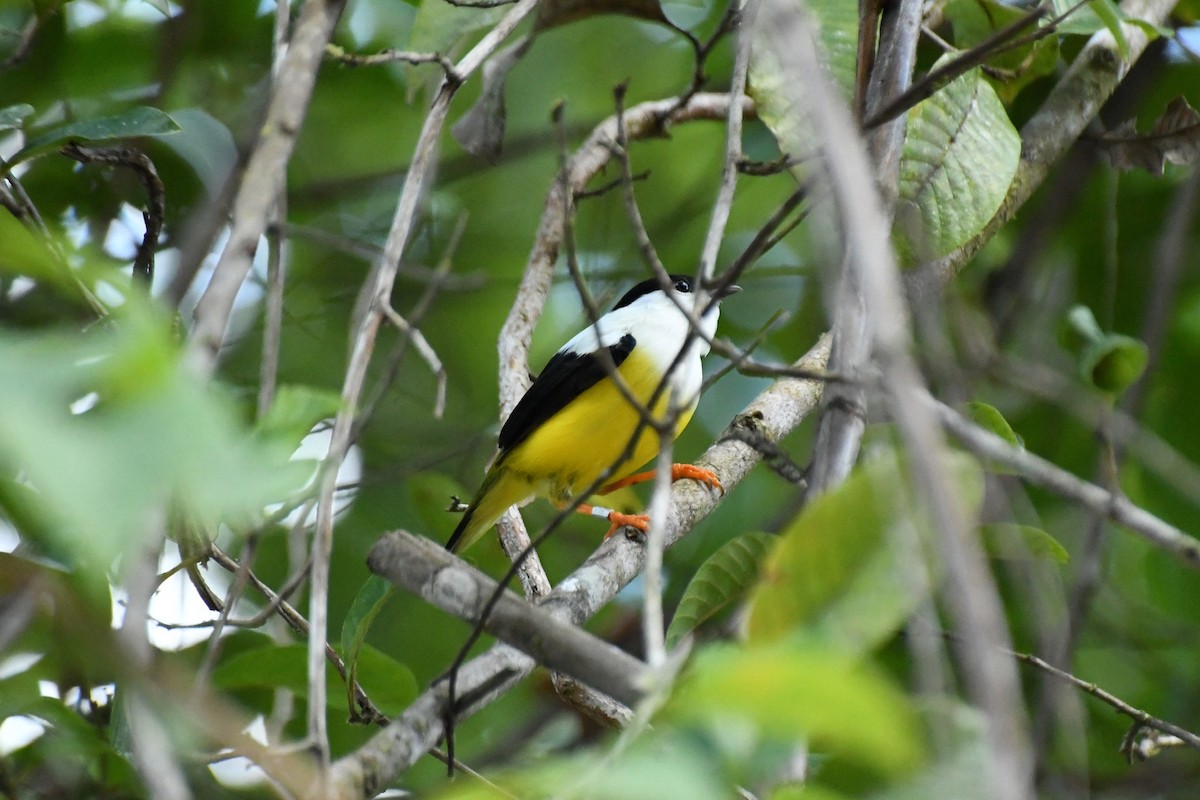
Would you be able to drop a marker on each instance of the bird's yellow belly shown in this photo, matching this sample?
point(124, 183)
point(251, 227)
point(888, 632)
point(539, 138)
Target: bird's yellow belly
point(569, 452)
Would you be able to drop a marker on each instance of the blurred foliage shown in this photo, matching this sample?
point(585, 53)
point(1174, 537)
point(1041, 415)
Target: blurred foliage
point(106, 435)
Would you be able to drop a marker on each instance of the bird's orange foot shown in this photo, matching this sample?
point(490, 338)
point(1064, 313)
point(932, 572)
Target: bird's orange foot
point(620, 520)
point(678, 472)
point(617, 518)
point(701, 474)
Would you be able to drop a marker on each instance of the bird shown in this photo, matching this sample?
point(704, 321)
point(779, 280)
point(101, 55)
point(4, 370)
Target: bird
point(575, 423)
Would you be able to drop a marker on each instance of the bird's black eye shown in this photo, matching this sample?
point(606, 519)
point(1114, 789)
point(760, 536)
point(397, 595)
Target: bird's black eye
point(683, 285)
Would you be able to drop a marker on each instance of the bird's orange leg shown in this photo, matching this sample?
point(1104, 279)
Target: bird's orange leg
point(678, 472)
point(617, 518)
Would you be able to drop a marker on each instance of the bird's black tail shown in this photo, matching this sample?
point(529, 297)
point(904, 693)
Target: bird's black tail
point(463, 524)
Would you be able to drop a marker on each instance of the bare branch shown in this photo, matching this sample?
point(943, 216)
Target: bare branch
point(133, 159)
point(1092, 497)
point(426, 569)
point(292, 90)
point(390, 56)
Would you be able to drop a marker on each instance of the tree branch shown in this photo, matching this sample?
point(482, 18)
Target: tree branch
point(427, 570)
point(1038, 470)
point(256, 193)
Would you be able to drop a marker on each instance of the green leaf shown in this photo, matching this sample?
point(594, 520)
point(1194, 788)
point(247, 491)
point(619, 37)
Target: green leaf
point(366, 606)
point(23, 254)
point(792, 693)
point(12, 117)
point(273, 667)
point(990, 419)
point(155, 435)
point(722, 578)
point(1011, 70)
point(772, 88)
point(1008, 540)
point(390, 685)
point(1111, 362)
point(959, 158)
point(660, 768)
point(842, 571)
point(1115, 363)
point(1086, 20)
point(139, 121)
point(294, 412)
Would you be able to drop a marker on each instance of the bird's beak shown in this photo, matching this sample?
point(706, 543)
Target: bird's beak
point(732, 288)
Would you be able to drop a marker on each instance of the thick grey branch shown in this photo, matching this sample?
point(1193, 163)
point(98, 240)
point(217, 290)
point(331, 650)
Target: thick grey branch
point(441, 579)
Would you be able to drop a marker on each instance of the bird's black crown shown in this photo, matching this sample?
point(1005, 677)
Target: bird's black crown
point(681, 283)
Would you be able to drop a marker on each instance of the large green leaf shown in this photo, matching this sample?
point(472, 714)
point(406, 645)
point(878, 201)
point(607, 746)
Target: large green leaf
point(959, 158)
point(772, 87)
point(792, 692)
point(154, 434)
point(851, 567)
point(139, 121)
point(722, 579)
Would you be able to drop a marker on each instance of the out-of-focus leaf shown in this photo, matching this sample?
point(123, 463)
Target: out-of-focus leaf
point(1012, 70)
point(273, 666)
point(140, 121)
point(990, 419)
point(1111, 362)
point(23, 255)
point(1084, 20)
point(772, 89)
point(294, 412)
point(959, 158)
point(366, 606)
point(722, 578)
point(154, 433)
point(206, 145)
point(1115, 364)
point(956, 774)
point(791, 692)
point(665, 769)
point(843, 569)
point(1174, 138)
point(390, 684)
point(11, 117)
point(1011, 541)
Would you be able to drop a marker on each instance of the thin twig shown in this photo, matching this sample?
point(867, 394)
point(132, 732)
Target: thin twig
point(1039, 471)
point(133, 159)
point(256, 193)
point(376, 290)
point(391, 56)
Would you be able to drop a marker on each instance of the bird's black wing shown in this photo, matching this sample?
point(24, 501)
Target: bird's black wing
point(567, 376)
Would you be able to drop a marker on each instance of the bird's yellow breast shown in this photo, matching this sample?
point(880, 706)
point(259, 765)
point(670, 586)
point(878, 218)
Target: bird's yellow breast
point(568, 452)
